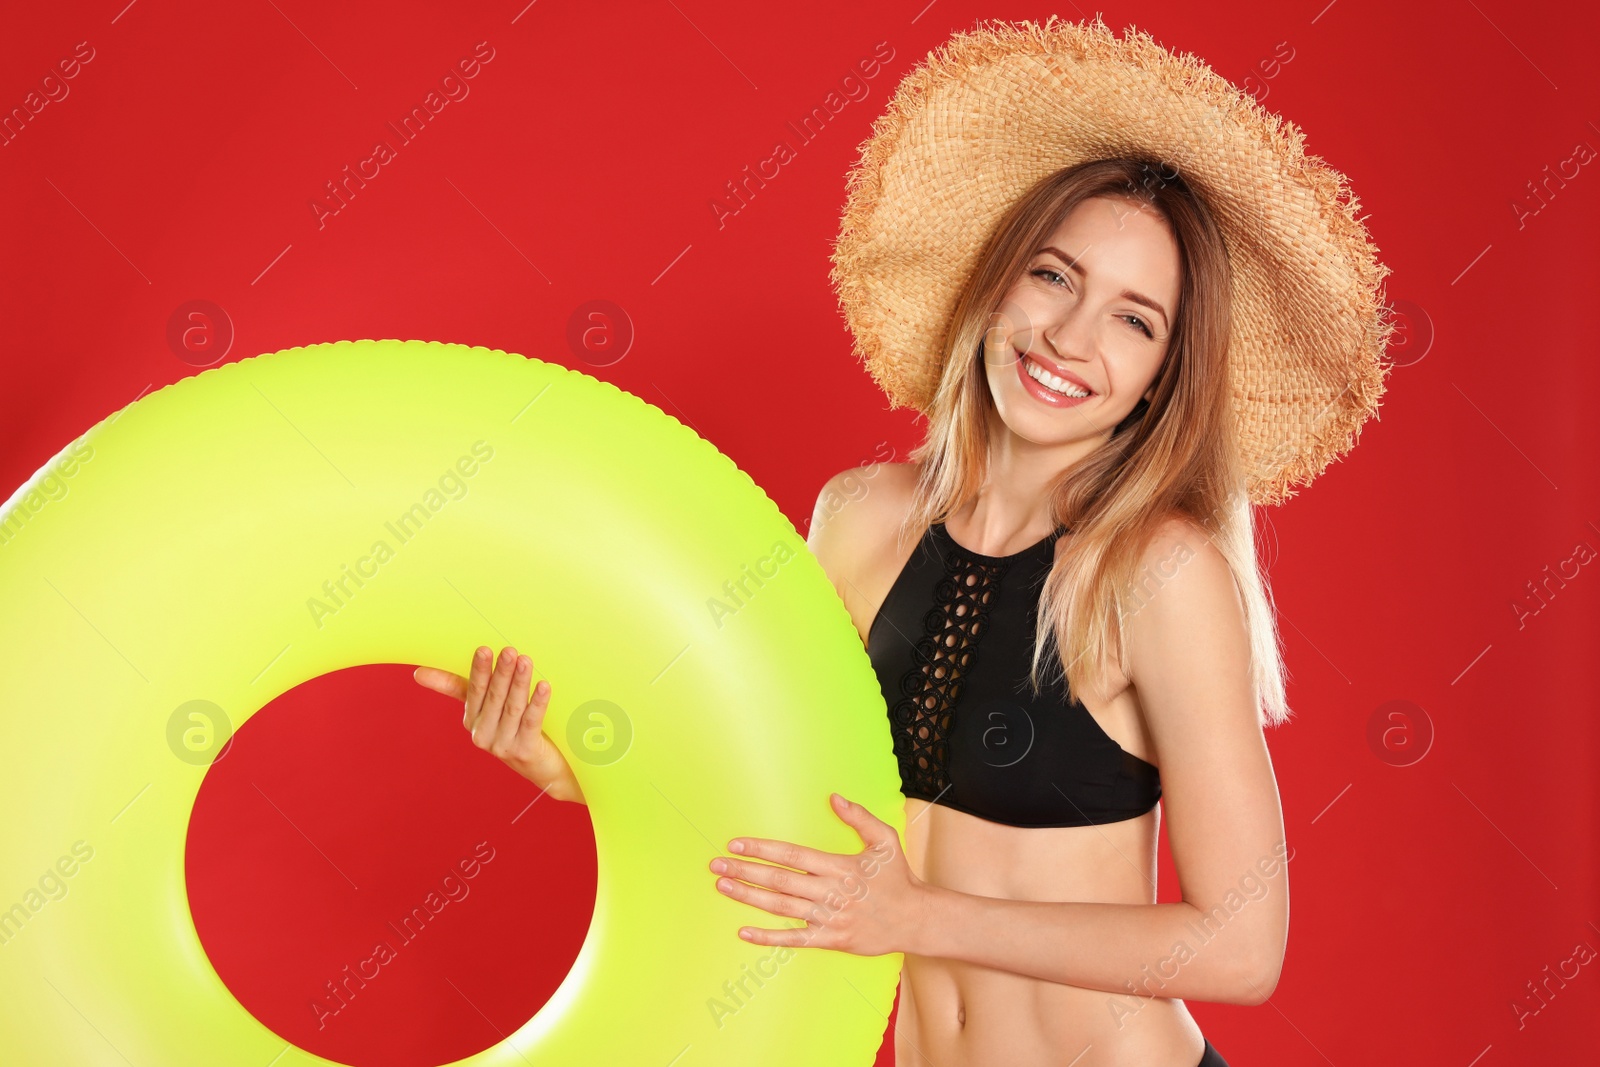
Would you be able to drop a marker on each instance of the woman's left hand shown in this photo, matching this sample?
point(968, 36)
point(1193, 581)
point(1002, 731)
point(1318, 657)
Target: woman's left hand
point(867, 904)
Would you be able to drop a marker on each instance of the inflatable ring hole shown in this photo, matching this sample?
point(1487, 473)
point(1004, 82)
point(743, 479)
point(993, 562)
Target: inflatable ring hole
point(371, 886)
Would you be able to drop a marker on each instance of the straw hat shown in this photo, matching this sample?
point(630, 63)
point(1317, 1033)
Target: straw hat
point(995, 109)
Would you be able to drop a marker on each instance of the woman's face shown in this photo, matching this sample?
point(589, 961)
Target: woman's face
point(1091, 315)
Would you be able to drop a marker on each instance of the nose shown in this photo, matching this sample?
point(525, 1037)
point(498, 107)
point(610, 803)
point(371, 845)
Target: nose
point(1069, 332)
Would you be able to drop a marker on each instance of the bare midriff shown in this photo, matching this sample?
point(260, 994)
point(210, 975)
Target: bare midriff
point(957, 1014)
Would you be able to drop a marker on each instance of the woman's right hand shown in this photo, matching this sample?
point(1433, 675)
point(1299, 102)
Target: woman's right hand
point(504, 721)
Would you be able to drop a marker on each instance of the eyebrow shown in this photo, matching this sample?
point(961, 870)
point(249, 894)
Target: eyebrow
point(1127, 294)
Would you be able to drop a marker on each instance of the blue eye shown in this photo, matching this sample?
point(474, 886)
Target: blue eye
point(1135, 321)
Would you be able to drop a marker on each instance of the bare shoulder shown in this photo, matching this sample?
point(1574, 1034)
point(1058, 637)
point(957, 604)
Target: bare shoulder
point(856, 510)
point(1178, 540)
point(1184, 586)
point(854, 529)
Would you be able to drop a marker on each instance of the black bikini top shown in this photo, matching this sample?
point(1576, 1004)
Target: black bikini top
point(952, 645)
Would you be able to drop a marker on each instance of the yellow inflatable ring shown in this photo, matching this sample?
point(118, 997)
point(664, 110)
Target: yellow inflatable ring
point(708, 684)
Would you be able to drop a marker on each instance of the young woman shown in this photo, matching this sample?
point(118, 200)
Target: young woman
point(1059, 593)
point(1092, 399)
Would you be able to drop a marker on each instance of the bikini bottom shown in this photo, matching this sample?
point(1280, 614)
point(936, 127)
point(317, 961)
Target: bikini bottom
point(1211, 1058)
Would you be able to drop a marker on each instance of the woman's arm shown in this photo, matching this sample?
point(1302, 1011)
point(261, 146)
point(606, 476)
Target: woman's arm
point(1189, 658)
point(833, 532)
point(854, 510)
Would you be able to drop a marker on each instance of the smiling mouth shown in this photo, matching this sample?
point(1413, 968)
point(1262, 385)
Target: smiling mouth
point(1051, 381)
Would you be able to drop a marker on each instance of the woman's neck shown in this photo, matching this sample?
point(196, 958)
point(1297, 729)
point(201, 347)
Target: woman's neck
point(1013, 506)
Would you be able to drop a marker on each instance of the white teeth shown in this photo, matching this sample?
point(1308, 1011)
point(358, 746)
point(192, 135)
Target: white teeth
point(1051, 382)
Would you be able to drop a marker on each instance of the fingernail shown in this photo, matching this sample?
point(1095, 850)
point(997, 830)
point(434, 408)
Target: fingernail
point(736, 846)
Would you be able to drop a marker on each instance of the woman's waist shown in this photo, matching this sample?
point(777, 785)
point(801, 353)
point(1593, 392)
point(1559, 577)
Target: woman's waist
point(1113, 863)
point(983, 1015)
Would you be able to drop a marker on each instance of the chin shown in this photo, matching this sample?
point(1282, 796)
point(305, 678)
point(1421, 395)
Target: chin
point(1037, 426)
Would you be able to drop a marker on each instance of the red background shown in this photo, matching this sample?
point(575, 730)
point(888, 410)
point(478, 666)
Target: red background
point(583, 166)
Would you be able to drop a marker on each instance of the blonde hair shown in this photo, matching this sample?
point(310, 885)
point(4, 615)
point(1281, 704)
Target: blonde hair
point(1176, 454)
